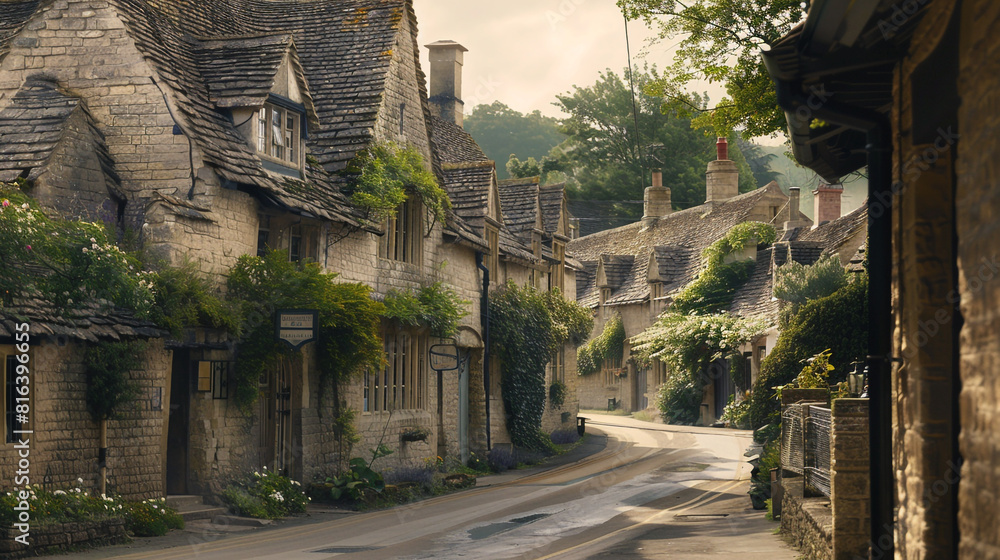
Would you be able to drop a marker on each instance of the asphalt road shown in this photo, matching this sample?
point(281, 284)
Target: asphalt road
point(634, 490)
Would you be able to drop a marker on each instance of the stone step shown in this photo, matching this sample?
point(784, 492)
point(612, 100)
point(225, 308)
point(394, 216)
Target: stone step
point(179, 501)
point(204, 512)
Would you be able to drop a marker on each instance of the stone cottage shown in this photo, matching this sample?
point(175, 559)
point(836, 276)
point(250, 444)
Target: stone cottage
point(910, 90)
point(633, 270)
point(220, 129)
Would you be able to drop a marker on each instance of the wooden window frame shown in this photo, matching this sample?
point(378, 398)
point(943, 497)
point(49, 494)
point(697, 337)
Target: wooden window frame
point(402, 383)
point(403, 240)
point(284, 123)
point(8, 359)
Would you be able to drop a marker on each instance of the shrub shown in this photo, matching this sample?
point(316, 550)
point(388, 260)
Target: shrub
point(434, 306)
point(151, 518)
point(266, 495)
point(478, 463)
point(838, 322)
point(760, 484)
point(679, 400)
point(557, 393)
point(423, 475)
point(737, 414)
point(609, 345)
point(564, 436)
point(504, 458)
point(383, 175)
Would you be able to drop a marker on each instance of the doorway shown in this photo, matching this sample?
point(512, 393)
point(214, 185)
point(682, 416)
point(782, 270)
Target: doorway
point(275, 443)
point(178, 424)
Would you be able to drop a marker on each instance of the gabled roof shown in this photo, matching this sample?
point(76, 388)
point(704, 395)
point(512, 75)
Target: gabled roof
point(834, 234)
point(91, 321)
point(519, 204)
point(550, 199)
point(240, 71)
point(34, 123)
point(686, 232)
point(13, 16)
point(454, 144)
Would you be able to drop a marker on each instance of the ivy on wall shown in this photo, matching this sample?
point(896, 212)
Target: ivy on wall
point(435, 306)
point(609, 345)
point(571, 321)
point(521, 338)
point(384, 173)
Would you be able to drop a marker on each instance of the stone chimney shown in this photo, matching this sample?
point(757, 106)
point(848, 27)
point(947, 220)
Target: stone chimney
point(826, 203)
point(656, 201)
point(446, 80)
point(722, 181)
point(794, 215)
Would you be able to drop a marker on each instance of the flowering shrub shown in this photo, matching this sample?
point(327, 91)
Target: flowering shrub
point(145, 519)
point(82, 264)
point(265, 495)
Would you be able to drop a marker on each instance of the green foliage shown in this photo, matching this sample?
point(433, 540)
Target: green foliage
point(184, 298)
point(502, 132)
point(355, 481)
point(385, 173)
point(66, 262)
point(150, 518)
point(546, 169)
point(736, 414)
point(760, 484)
point(571, 321)
point(265, 495)
point(838, 322)
point(557, 393)
point(679, 399)
point(435, 306)
point(110, 387)
point(690, 343)
point(521, 338)
point(605, 162)
point(720, 42)
point(716, 285)
point(609, 345)
point(349, 320)
point(797, 283)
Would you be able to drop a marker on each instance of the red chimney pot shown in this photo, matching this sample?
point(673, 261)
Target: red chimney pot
point(722, 147)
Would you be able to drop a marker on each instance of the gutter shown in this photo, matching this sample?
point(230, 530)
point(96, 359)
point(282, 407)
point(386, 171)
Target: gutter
point(879, 149)
point(484, 315)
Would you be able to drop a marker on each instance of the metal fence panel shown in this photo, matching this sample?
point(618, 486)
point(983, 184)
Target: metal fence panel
point(793, 439)
point(817, 449)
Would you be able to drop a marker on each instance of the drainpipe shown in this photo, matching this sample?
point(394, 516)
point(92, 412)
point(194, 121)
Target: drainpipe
point(879, 360)
point(484, 315)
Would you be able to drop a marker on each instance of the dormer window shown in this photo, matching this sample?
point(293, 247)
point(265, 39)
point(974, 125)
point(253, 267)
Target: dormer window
point(279, 134)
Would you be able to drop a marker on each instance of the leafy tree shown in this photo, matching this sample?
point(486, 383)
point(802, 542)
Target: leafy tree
point(759, 162)
point(721, 42)
point(548, 169)
point(796, 283)
point(501, 132)
point(608, 161)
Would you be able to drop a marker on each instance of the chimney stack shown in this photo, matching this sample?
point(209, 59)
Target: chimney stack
point(794, 215)
point(722, 180)
point(656, 201)
point(826, 203)
point(446, 80)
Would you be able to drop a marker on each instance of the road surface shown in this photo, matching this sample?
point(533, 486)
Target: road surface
point(653, 491)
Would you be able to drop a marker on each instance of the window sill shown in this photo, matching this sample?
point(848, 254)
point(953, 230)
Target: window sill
point(281, 167)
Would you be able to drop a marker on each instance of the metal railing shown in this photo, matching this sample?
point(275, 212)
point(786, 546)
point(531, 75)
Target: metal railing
point(805, 445)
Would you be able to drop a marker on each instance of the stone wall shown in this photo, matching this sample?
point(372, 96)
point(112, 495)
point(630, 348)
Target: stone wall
point(64, 446)
point(63, 537)
point(850, 478)
point(807, 522)
point(977, 210)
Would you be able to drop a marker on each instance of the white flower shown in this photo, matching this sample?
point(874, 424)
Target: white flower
point(85, 249)
point(79, 481)
point(59, 493)
point(92, 240)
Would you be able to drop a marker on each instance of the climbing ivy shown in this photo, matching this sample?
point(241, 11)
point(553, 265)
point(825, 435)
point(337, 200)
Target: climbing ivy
point(717, 283)
point(184, 298)
point(521, 337)
point(435, 306)
point(609, 345)
point(571, 321)
point(349, 321)
point(382, 176)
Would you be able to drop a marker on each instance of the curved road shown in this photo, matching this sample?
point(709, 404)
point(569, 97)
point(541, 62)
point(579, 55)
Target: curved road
point(653, 491)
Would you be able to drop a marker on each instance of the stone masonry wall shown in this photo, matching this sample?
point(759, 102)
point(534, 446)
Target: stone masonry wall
point(978, 208)
point(850, 479)
point(65, 442)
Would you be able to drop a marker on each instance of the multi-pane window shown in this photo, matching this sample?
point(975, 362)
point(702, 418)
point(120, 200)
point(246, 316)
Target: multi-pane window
point(493, 240)
point(11, 423)
point(302, 243)
point(557, 365)
point(263, 234)
point(612, 368)
point(558, 272)
point(403, 239)
point(401, 383)
point(278, 133)
point(655, 295)
point(659, 370)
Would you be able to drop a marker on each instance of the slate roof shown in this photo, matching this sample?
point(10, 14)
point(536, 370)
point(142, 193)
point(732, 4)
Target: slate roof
point(468, 186)
point(833, 234)
point(91, 322)
point(240, 72)
point(519, 204)
point(550, 199)
point(683, 234)
point(454, 144)
point(755, 298)
point(13, 16)
point(33, 124)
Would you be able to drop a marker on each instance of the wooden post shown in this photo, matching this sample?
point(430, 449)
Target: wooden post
point(102, 457)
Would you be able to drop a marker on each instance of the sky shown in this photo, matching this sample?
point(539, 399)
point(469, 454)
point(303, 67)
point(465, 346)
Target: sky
point(525, 52)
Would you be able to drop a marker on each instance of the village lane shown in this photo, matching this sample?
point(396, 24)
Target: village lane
point(639, 490)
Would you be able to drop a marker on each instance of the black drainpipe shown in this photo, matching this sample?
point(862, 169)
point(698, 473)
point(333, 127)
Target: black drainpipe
point(484, 315)
point(879, 360)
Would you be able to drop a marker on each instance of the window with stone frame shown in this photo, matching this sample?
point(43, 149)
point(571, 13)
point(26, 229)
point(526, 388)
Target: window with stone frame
point(279, 132)
point(605, 295)
point(659, 370)
point(263, 234)
point(557, 365)
point(612, 370)
point(493, 259)
point(402, 383)
point(655, 298)
point(403, 240)
point(302, 243)
point(557, 275)
point(8, 357)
